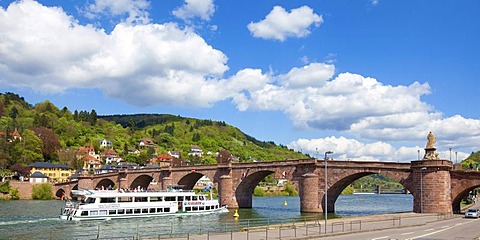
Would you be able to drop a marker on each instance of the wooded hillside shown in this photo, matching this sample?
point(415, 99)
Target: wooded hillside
point(52, 134)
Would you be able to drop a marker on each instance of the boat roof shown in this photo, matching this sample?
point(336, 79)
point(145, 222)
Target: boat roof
point(116, 193)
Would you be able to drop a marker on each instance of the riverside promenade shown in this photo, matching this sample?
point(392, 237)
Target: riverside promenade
point(316, 229)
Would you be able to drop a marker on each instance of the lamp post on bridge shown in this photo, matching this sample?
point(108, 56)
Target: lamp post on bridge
point(326, 189)
point(421, 188)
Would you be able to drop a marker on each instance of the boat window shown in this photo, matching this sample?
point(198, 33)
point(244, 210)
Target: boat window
point(121, 211)
point(137, 210)
point(144, 210)
point(84, 213)
point(89, 200)
point(159, 209)
point(152, 210)
point(166, 209)
point(129, 211)
point(201, 208)
point(141, 199)
point(112, 212)
point(102, 212)
point(207, 207)
point(194, 198)
point(187, 198)
point(170, 199)
point(156, 199)
point(201, 197)
point(125, 199)
point(93, 213)
point(180, 198)
point(107, 200)
point(188, 209)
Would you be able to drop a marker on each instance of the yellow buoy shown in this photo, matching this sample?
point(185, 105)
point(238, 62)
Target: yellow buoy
point(285, 203)
point(235, 215)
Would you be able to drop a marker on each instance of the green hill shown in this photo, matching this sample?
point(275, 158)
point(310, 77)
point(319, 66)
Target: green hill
point(52, 134)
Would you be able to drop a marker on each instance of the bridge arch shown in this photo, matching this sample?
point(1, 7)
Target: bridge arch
point(143, 181)
point(188, 181)
point(461, 186)
point(246, 187)
point(105, 183)
point(336, 188)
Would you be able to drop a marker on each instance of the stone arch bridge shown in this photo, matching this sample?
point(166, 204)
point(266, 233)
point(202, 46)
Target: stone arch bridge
point(435, 186)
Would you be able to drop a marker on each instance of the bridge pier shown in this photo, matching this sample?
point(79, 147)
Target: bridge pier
point(166, 181)
point(432, 186)
point(309, 199)
point(226, 193)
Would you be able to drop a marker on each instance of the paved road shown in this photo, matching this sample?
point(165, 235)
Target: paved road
point(455, 228)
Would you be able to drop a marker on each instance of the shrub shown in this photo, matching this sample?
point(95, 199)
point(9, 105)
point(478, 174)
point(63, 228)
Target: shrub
point(42, 192)
point(290, 189)
point(5, 188)
point(348, 190)
point(14, 194)
point(259, 192)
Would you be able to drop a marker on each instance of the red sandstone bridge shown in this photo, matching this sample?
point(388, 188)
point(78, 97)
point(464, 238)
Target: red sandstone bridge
point(435, 186)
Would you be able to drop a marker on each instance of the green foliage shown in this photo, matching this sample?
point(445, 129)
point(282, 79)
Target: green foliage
point(42, 192)
point(348, 190)
point(372, 181)
point(259, 192)
point(59, 132)
point(473, 159)
point(14, 194)
point(5, 187)
point(290, 189)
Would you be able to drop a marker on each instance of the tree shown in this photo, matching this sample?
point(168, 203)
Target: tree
point(93, 117)
point(51, 142)
point(5, 173)
point(30, 149)
point(22, 170)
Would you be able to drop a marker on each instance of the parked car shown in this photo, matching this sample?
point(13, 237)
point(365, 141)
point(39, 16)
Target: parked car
point(472, 213)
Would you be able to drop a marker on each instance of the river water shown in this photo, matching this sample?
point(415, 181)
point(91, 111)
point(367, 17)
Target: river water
point(28, 219)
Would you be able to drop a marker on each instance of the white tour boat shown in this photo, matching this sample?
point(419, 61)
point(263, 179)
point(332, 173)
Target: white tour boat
point(113, 204)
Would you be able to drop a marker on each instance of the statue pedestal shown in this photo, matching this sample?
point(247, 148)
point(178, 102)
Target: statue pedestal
point(430, 154)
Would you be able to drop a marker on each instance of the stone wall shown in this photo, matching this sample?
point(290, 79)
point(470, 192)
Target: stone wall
point(25, 188)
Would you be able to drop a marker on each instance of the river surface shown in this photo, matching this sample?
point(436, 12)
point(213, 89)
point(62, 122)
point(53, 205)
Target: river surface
point(28, 219)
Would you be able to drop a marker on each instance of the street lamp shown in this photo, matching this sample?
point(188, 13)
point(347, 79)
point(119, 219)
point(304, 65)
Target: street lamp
point(418, 154)
point(421, 188)
point(456, 157)
point(450, 154)
point(326, 189)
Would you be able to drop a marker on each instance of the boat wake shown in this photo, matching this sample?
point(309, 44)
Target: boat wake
point(26, 221)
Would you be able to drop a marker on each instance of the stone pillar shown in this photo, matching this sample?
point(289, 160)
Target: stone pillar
point(431, 186)
point(309, 199)
point(123, 183)
point(226, 193)
point(166, 182)
point(379, 189)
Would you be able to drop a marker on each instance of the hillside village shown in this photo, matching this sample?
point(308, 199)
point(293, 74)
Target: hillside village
point(43, 143)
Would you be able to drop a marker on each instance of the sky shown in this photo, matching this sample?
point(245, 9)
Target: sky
point(366, 79)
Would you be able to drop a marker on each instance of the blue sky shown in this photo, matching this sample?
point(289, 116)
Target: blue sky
point(367, 79)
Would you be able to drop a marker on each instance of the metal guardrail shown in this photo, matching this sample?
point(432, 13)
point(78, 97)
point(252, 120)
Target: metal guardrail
point(255, 229)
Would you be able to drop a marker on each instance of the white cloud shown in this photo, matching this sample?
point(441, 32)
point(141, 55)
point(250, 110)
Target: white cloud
point(47, 50)
point(351, 149)
point(135, 10)
point(203, 9)
point(313, 75)
point(143, 64)
point(374, 2)
point(279, 24)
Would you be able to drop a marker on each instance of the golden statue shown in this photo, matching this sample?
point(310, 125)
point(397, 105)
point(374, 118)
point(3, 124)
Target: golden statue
point(431, 140)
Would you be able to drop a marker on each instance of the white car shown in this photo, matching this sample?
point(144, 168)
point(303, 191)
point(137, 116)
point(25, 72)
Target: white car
point(472, 213)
